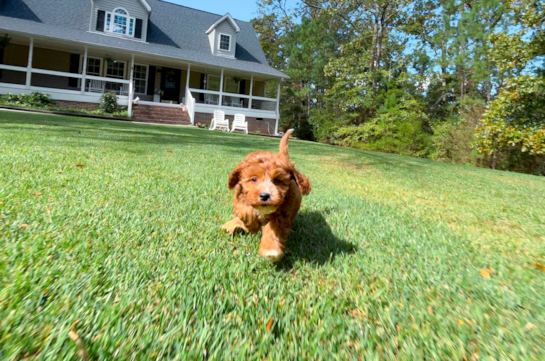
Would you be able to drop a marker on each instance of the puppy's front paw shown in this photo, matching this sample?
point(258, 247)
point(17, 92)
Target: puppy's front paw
point(234, 224)
point(273, 254)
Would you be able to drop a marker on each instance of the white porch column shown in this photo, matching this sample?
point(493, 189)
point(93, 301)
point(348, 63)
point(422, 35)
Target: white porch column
point(277, 108)
point(29, 65)
point(84, 72)
point(187, 81)
point(131, 86)
point(221, 89)
point(251, 92)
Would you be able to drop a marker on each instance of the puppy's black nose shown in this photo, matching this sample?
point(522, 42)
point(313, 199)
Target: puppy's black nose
point(264, 197)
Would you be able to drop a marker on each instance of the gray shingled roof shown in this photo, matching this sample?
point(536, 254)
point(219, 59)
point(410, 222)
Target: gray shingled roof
point(174, 31)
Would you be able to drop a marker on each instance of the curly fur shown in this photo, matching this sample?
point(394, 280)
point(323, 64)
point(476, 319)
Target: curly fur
point(261, 173)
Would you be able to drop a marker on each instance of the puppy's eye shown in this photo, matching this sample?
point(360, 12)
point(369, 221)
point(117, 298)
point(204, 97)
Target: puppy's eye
point(277, 181)
point(254, 179)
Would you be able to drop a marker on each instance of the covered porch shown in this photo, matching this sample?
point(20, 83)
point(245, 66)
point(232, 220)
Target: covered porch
point(77, 74)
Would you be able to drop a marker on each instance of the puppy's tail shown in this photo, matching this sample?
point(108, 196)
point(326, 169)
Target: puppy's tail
point(284, 145)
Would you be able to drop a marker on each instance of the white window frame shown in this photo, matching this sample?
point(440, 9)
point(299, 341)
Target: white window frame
point(225, 85)
point(219, 43)
point(111, 15)
point(208, 79)
point(111, 77)
point(81, 66)
point(115, 61)
point(91, 57)
point(146, 80)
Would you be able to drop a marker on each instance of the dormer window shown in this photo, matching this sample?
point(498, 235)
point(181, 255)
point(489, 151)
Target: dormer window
point(119, 22)
point(222, 36)
point(225, 42)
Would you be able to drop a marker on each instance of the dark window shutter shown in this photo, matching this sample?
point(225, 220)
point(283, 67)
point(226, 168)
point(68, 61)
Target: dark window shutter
point(1, 60)
point(242, 86)
point(201, 95)
point(74, 68)
point(138, 29)
point(100, 20)
point(151, 80)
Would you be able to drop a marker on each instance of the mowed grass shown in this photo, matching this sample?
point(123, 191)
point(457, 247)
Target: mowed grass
point(391, 257)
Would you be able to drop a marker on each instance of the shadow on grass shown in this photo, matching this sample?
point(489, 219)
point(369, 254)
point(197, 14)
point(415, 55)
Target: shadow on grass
point(313, 241)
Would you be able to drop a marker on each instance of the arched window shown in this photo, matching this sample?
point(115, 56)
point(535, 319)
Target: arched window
point(119, 22)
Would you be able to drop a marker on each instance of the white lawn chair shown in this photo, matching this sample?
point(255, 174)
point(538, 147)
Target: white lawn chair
point(209, 99)
point(124, 89)
point(240, 123)
point(97, 86)
point(219, 121)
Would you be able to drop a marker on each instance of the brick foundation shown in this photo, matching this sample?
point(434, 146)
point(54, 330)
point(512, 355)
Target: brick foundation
point(161, 115)
point(76, 105)
point(254, 125)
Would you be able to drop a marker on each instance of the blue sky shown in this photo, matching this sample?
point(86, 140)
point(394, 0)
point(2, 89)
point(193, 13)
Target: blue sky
point(239, 9)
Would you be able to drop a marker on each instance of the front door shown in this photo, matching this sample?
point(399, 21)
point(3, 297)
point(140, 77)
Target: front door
point(170, 84)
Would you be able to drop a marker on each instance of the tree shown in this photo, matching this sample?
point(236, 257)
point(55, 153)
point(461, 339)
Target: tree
point(512, 133)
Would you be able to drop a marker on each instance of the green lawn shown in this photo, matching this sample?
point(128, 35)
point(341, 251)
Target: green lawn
point(386, 260)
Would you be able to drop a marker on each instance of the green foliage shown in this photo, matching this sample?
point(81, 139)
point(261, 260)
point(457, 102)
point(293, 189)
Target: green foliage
point(452, 142)
point(397, 129)
point(515, 123)
point(10, 98)
point(35, 99)
point(41, 101)
point(108, 103)
point(346, 59)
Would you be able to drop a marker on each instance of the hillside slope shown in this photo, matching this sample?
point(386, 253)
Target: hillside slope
point(111, 230)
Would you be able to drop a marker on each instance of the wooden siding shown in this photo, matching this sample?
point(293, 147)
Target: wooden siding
point(133, 7)
point(225, 28)
point(211, 38)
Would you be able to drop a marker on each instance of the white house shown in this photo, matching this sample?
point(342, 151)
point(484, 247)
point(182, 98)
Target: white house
point(75, 50)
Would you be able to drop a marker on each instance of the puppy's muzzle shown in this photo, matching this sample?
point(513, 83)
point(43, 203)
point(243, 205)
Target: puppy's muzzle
point(264, 197)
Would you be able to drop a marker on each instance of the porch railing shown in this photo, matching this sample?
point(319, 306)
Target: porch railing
point(190, 105)
point(243, 101)
point(93, 84)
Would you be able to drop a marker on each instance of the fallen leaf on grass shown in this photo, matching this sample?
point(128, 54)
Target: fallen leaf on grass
point(530, 326)
point(541, 267)
point(169, 151)
point(37, 193)
point(79, 342)
point(24, 225)
point(269, 324)
point(80, 165)
point(357, 313)
point(486, 272)
point(430, 310)
point(50, 198)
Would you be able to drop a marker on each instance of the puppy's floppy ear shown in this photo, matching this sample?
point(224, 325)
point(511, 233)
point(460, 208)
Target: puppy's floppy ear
point(302, 182)
point(234, 177)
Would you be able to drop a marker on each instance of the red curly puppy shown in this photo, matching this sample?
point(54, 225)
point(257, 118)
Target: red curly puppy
point(268, 192)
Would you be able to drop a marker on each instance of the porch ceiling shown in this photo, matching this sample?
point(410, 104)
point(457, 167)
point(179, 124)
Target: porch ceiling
point(123, 55)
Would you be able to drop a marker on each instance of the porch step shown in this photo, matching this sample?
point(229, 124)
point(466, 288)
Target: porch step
point(161, 115)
